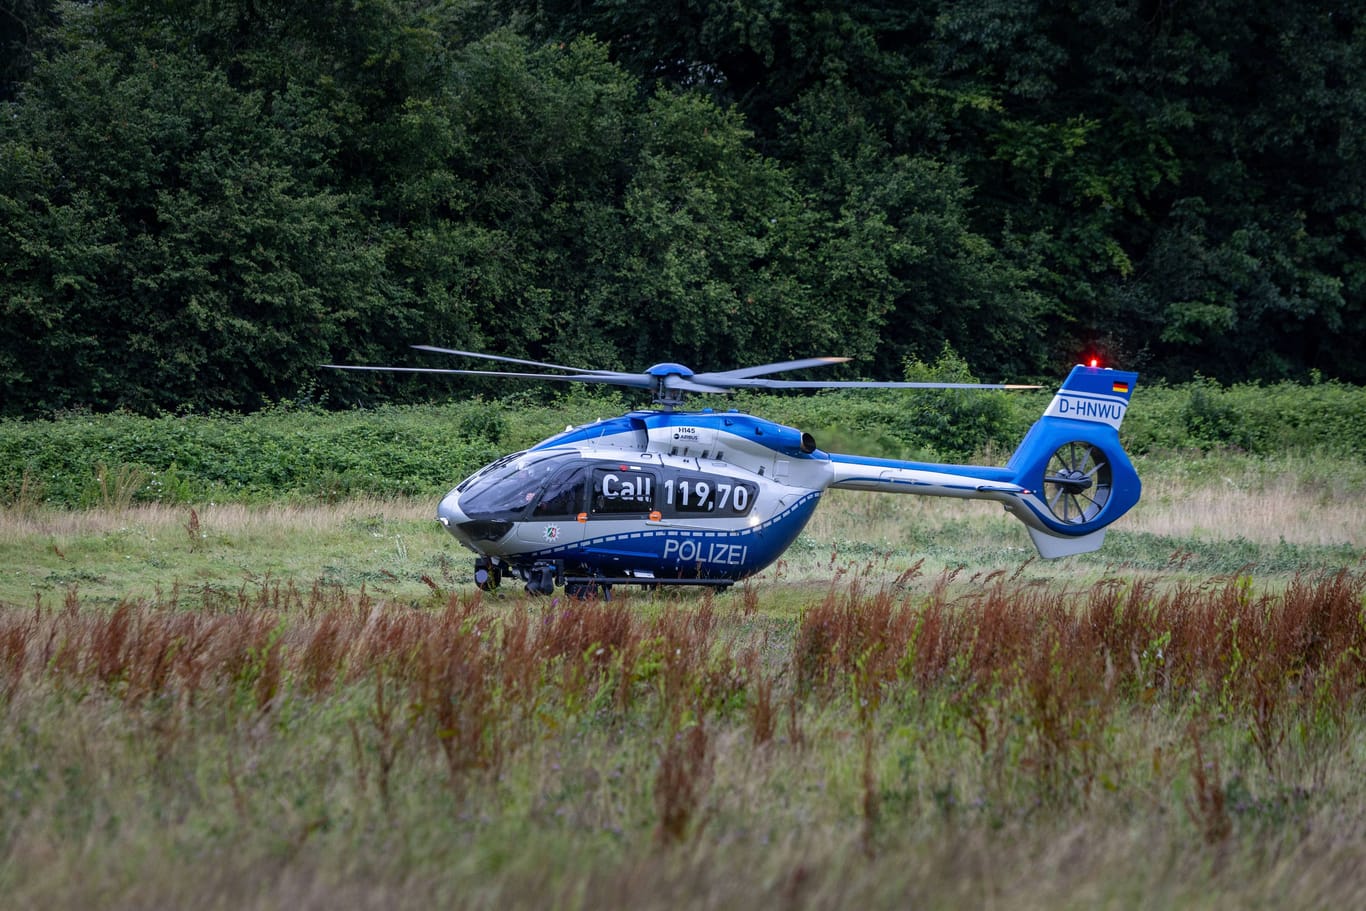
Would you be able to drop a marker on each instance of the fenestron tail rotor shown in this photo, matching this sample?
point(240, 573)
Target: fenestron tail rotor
point(670, 382)
point(1077, 482)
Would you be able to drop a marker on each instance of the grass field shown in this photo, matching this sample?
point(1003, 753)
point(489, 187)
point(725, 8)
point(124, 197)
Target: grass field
point(310, 706)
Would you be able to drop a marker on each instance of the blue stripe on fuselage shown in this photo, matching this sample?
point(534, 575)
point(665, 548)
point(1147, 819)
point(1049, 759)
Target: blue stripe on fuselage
point(719, 553)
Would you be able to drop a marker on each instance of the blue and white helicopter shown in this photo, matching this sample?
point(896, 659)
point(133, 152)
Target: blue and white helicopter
point(671, 497)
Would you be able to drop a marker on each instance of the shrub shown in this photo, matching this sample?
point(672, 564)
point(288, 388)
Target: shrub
point(305, 453)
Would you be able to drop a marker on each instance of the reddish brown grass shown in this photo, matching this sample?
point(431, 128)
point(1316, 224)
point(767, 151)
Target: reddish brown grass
point(475, 681)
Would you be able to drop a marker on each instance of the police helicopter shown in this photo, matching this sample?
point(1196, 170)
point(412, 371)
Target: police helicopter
point(673, 497)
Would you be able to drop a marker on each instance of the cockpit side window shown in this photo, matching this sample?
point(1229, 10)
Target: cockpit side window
point(563, 495)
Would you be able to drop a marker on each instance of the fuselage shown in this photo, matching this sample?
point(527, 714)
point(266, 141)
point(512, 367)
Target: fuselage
point(674, 495)
point(651, 494)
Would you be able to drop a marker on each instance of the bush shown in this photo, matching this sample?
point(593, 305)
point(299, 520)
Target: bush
point(276, 454)
point(916, 423)
point(1329, 417)
point(304, 453)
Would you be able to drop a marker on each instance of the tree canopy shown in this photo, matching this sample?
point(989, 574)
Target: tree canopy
point(202, 200)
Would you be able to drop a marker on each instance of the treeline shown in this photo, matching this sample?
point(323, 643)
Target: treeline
point(202, 200)
point(303, 453)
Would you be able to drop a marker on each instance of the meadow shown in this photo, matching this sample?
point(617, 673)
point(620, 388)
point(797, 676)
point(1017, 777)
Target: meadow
point(230, 699)
point(267, 706)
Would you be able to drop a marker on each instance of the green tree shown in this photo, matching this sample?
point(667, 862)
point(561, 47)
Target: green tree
point(1181, 175)
point(158, 240)
point(1173, 183)
point(24, 25)
point(201, 201)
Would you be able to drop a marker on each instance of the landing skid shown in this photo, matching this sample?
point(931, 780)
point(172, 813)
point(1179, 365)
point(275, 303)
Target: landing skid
point(646, 582)
point(543, 578)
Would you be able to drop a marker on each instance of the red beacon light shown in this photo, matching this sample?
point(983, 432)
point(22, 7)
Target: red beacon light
point(1094, 362)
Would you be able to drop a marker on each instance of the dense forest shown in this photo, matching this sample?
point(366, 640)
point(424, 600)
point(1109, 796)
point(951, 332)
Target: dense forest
point(203, 200)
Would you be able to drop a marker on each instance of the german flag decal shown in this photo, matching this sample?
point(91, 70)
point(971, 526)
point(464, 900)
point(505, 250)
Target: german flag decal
point(1122, 387)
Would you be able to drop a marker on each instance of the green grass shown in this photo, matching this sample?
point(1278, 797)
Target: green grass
point(1200, 515)
point(387, 546)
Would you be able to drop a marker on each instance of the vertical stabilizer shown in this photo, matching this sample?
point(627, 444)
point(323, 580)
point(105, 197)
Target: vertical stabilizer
point(1078, 477)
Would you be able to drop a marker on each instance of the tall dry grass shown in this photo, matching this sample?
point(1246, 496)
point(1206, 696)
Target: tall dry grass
point(478, 674)
point(1269, 513)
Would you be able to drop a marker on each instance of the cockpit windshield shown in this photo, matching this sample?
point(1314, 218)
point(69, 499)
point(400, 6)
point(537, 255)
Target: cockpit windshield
point(511, 486)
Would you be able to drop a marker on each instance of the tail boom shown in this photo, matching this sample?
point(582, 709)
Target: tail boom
point(1068, 480)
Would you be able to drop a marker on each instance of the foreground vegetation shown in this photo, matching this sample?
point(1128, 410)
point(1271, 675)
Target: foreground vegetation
point(307, 705)
point(1112, 744)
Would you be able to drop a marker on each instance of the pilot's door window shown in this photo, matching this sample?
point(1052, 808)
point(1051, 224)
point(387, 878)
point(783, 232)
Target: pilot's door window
point(563, 496)
point(554, 520)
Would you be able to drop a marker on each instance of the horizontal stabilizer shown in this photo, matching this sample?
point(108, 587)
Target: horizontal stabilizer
point(1053, 546)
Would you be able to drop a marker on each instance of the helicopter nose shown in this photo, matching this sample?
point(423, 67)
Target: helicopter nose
point(478, 533)
point(449, 514)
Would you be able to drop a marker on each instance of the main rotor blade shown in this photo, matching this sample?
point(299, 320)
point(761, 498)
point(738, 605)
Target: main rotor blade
point(516, 360)
point(860, 384)
point(746, 372)
point(745, 378)
point(689, 384)
point(612, 379)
